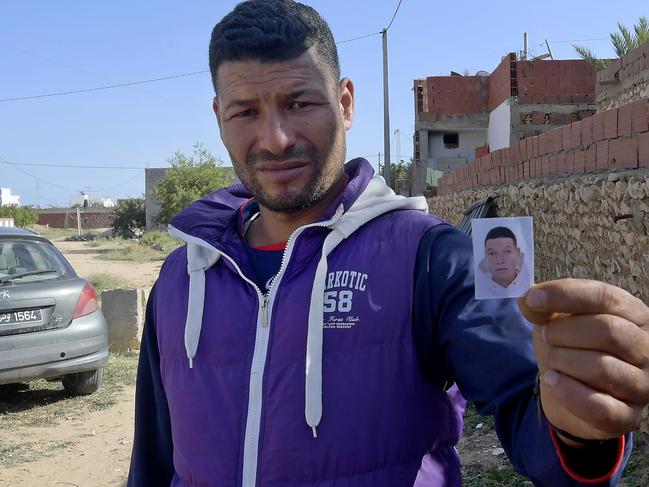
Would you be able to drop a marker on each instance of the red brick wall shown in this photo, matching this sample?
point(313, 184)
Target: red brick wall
point(500, 84)
point(627, 67)
point(457, 95)
point(563, 82)
point(89, 218)
point(610, 140)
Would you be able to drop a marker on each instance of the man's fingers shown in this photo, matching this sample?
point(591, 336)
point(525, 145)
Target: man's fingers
point(601, 372)
point(611, 416)
point(581, 296)
point(605, 333)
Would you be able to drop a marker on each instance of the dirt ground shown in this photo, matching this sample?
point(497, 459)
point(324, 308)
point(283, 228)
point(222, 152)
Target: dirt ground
point(93, 450)
point(85, 263)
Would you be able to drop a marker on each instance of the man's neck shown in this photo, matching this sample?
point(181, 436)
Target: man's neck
point(274, 227)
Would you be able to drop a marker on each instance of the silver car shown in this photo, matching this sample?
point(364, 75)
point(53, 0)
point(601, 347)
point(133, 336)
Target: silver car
point(50, 323)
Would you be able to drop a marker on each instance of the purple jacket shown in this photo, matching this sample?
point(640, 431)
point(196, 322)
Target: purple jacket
point(318, 382)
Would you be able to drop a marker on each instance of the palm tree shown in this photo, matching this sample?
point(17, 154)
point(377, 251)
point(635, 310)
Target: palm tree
point(624, 42)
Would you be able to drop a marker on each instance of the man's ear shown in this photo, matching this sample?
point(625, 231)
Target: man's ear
point(215, 107)
point(483, 265)
point(521, 258)
point(346, 99)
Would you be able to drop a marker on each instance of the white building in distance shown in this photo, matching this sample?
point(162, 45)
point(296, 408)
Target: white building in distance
point(6, 198)
point(82, 198)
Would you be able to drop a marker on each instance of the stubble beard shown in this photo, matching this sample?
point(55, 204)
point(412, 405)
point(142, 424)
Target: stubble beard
point(323, 179)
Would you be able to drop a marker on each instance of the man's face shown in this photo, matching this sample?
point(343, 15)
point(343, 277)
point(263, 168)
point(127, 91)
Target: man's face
point(283, 124)
point(502, 258)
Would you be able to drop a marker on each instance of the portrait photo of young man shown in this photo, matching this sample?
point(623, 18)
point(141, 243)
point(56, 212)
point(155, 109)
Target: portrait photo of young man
point(504, 259)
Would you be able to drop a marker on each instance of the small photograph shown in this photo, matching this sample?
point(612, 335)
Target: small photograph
point(503, 250)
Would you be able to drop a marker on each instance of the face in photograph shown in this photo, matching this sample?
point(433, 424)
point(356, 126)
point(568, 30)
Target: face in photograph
point(502, 255)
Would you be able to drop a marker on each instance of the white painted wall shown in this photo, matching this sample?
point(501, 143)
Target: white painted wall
point(500, 121)
point(469, 140)
point(6, 198)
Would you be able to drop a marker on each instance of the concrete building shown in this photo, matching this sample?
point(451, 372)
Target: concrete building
point(152, 177)
point(6, 198)
point(459, 118)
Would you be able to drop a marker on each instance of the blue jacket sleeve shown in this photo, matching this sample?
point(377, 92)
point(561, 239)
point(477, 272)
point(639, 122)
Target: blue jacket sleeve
point(485, 347)
point(152, 456)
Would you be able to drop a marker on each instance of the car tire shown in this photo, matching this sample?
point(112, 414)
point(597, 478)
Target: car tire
point(83, 383)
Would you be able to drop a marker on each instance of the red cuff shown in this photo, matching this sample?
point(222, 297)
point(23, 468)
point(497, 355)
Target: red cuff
point(561, 452)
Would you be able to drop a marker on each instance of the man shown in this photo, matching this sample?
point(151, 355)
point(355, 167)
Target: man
point(503, 269)
point(307, 333)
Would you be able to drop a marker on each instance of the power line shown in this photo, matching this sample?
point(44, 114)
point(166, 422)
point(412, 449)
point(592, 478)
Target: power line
point(100, 88)
point(377, 155)
point(3, 160)
point(358, 38)
point(395, 14)
point(113, 187)
point(75, 166)
point(153, 80)
point(60, 186)
point(584, 40)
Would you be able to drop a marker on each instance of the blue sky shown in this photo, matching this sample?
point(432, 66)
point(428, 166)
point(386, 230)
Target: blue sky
point(48, 47)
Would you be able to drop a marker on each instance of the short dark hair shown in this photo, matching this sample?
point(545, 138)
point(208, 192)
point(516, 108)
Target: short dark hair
point(500, 232)
point(270, 31)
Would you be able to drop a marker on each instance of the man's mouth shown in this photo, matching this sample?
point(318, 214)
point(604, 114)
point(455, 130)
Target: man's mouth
point(278, 166)
point(282, 171)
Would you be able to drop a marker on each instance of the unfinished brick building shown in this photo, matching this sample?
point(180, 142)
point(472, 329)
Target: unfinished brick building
point(460, 118)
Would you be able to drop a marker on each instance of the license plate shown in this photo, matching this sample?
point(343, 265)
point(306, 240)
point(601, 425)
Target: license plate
point(15, 317)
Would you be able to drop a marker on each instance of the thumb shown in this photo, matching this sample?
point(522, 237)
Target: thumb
point(534, 305)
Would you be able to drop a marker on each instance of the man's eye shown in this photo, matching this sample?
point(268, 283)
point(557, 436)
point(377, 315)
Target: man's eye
point(244, 113)
point(299, 104)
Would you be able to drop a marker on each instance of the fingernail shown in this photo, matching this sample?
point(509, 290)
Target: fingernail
point(550, 377)
point(536, 298)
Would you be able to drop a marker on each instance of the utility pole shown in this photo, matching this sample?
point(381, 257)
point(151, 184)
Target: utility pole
point(387, 172)
point(525, 46)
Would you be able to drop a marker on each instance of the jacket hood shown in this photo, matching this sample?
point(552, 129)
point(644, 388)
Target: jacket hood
point(204, 223)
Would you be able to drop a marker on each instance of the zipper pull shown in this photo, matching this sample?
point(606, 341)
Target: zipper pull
point(264, 311)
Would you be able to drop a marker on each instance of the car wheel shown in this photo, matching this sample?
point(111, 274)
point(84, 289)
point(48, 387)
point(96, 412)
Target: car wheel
point(83, 383)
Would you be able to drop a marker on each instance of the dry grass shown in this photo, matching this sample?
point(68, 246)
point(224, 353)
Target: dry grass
point(43, 404)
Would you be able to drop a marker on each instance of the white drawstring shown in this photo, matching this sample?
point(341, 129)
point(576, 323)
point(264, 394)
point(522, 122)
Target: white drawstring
point(376, 200)
point(313, 387)
point(199, 259)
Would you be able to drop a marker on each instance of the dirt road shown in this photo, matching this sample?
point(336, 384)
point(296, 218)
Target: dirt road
point(85, 262)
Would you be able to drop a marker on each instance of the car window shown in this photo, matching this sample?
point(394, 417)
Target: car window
point(22, 256)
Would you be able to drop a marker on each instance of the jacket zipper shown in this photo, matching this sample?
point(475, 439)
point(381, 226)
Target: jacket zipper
point(266, 301)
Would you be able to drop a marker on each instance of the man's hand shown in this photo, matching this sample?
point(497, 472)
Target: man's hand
point(591, 342)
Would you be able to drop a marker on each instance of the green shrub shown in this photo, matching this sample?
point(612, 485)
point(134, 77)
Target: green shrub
point(103, 280)
point(189, 179)
point(130, 217)
point(162, 241)
point(23, 215)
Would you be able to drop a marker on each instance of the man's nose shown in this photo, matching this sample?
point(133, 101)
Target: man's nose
point(276, 134)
